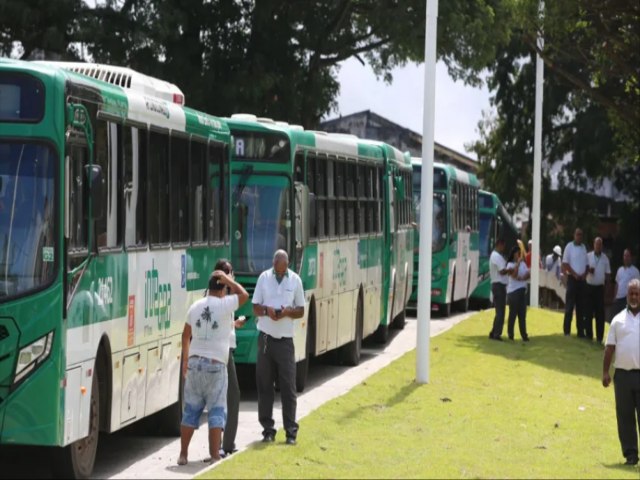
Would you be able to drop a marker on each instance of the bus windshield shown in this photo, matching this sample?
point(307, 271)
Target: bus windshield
point(27, 242)
point(439, 232)
point(261, 222)
point(486, 224)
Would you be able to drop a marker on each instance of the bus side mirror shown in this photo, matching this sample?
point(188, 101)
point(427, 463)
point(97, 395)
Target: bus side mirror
point(302, 215)
point(93, 175)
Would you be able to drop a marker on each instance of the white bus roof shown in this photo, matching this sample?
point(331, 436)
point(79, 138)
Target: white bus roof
point(126, 78)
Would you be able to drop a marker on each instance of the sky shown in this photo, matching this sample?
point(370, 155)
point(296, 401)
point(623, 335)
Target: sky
point(458, 107)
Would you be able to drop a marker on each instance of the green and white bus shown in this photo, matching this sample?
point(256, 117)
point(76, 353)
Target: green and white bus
point(112, 215)
point(454, 273)
point(495, 222)
point(342, 208)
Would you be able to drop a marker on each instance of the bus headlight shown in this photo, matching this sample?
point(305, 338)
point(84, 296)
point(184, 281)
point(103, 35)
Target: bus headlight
point(33, 355)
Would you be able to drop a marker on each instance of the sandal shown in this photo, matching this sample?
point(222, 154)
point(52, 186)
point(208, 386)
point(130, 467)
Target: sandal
point(182, 460)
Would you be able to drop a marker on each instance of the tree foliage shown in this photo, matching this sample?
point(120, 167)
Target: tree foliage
point(270, 57)
point(591, 109)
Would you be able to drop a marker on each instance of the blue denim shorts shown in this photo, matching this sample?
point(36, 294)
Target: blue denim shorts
point(205, 387)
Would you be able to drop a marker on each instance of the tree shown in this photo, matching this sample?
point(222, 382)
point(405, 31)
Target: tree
point(48, 26)
point(279, 58)
point(589, 115)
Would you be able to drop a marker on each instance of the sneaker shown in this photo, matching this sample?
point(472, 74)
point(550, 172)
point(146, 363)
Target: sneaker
point(268, 438)
point(291, 441)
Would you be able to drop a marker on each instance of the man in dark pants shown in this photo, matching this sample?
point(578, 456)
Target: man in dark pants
point(574, 264)
point(624, 341)
point(277, 301)
point(598, 276)
point(498, 272)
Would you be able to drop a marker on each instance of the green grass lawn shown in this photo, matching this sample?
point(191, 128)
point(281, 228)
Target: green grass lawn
point(491, 410)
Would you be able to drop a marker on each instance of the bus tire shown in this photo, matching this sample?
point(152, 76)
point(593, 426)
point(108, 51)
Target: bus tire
point(446, 310)
point(381, 335)
point(350, 353)
point(401, 319)
point(77, 460)
point(302, 367)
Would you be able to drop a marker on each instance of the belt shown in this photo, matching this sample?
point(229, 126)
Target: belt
point(210, 360)
point(277, 339)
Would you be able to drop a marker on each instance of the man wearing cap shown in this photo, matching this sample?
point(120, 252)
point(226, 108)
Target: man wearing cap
point(623, 340)
point(598, 275)
point(574, 264)
point(553, 261)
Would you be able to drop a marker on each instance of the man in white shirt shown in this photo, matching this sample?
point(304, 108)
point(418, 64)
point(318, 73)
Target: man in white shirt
point(574, 265)
point(624, 341)
point(277, 301)
point(598, 275)
point(499, 279)
point(205, 352)
point(624, 275)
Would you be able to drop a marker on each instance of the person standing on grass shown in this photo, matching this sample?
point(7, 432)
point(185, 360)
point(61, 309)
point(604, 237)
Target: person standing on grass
point(598, 276)
point(574, 264)
point(278, 301)
point(623, 341)
point(205, 352)
point(498, 272)
point(624, 275)
point(516, 290)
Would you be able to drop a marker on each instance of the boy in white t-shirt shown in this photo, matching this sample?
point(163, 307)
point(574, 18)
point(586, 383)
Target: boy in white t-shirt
point(205, 352)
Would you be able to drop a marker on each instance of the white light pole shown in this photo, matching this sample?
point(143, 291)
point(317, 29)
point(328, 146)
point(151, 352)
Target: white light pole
point(426, 200)
point(537, 171)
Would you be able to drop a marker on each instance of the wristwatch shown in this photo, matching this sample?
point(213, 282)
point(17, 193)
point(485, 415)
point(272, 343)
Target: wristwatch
point(264, 312)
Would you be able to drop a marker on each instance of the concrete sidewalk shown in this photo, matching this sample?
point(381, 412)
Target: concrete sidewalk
point(325, 383)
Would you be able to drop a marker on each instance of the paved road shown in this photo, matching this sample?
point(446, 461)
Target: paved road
point(128, 454)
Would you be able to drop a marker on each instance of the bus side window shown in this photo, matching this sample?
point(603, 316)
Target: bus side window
point(135, 186)
point(298, 169)
point(216, 192)
point(77, 159)
point(158, 193)
point(198, 191)
point(109, 155)
point(179, 203)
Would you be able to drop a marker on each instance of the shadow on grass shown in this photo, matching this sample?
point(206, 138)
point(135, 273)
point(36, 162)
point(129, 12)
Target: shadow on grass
point(621, 467)
point(555, 352)
point(399, 397)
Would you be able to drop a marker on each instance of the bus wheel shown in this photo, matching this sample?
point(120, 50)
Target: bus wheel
point(76, 460)
point(446, 310)
point(381, 335)
point(401, 319)
point(350, 353)
point(302, 367)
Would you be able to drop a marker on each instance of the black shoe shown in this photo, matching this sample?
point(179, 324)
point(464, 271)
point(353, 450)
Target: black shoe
point(511, 338)
point(495, 337)
point(291, 441)
point(268, 438)
point(525, 339)
point(631, 461)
